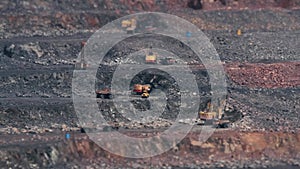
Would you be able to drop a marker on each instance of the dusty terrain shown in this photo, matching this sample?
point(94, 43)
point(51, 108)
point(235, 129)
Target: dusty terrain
point(39, 44)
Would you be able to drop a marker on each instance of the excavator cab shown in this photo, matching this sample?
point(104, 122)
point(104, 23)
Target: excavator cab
point(145, 95)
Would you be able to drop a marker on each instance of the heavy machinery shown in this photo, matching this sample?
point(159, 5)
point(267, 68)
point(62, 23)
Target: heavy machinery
point(168, 61)
point(151, 58)
point(130, 25)
point(104, 93)
point(142, 90)
point(212, 117)
point(145, 95)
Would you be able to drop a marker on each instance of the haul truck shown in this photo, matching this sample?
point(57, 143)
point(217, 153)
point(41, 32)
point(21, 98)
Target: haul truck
point(104, 93)
point(151, 58)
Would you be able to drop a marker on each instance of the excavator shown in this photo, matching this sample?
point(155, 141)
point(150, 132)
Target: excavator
point(142, 90)
point(212, 117)
point(130, 25)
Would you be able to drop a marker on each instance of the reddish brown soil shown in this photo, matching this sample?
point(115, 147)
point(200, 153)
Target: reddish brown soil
point(275, 75)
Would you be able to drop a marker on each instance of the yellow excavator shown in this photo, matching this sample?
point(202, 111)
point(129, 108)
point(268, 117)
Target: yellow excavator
point(130, 25)
point(214, 117)
point(142, 90)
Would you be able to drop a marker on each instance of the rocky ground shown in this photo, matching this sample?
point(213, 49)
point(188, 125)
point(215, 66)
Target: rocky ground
point(39, 45)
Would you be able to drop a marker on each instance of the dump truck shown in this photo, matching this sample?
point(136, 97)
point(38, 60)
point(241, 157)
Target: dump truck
point(129, 25)
point(168, 61)
point(151, 58)
point(211, 117)
point(142, 90)
point(104, 93)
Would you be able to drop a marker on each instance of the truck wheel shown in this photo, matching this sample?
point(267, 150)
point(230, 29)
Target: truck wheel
point(98, 96)
point(225, 125)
